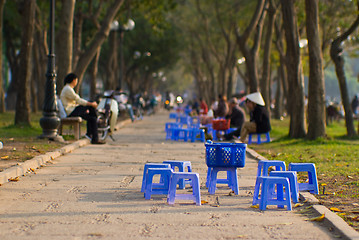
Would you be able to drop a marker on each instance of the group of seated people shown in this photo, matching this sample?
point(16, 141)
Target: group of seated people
point(259, 121)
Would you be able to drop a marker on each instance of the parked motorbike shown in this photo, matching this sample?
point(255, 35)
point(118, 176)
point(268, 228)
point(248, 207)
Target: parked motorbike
point(123, 104)
point(107, 116)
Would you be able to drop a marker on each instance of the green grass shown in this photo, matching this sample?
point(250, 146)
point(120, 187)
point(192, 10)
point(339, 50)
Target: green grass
point(9, 130)
point(334, 155)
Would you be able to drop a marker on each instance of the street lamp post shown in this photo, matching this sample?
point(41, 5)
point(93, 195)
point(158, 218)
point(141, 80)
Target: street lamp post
point(50, 120)
point(130, 25)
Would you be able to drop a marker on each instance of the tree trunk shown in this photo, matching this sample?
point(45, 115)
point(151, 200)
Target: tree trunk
point(64, 40)
point(336, 55)
point(316, 92)
point(22, 114)
point(34, 98)
point(112, 65)
point(278, 109)
point(93, 75)
point(2, 92)
point(266, 76)
point(294, 71)
point(281, 69)
point(40, 54)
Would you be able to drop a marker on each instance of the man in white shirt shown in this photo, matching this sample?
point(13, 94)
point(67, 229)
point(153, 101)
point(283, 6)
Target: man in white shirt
point(75, 106)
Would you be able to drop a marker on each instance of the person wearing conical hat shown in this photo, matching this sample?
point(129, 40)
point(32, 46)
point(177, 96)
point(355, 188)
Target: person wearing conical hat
point(259, 117)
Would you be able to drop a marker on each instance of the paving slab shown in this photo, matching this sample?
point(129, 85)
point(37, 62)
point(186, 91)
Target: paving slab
point(93, 192)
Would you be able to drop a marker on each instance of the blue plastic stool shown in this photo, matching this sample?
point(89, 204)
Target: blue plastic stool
point(259, 141)
point(158, 188)
point(267, 196)
point(173, 115)
point(312, 184)
point(151, 165)
point(293, 182)
point(182, 166)
point(171, 130)
point(181, 134)
point(184, 119)
point(219, 180)
point(169, 125)
point(232, 179)
point(194, 132)
point(264, 165)
point(188, 176)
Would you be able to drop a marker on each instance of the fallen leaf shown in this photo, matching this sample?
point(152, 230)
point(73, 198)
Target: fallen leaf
point(4, 157)
point(343, 213)
point(317, 219)
point(334, 209)
point(255, 206)
point(204, 202)
point(298, 205)
point(15, 179)
point(241, 236)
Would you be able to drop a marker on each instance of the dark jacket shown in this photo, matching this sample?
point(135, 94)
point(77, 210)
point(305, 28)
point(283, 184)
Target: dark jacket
point(261, 117)
point(237, 117)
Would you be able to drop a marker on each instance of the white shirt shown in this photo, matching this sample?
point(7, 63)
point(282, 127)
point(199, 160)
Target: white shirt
point(70, 99)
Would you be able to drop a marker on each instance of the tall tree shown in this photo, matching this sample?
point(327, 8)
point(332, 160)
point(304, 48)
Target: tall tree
point(316, 93)
point(294, 71)
point(251, 53)
point(22, 115)
point(98, 39)
point(336, 51)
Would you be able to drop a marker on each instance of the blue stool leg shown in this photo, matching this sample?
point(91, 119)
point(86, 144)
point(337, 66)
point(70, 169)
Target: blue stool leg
point(213, 181)
point(264, 193)
point(234, 180)
point(250, 138)
point(259, 138)
point(172, 190)
point(257, 187)
point(196, 190)
point(148, 192)
point(208, 179)
point(268, 137)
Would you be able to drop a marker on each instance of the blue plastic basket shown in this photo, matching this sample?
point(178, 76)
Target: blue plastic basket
point(225, 154)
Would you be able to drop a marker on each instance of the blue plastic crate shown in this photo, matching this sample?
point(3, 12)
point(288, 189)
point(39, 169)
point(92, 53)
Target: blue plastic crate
point(225, 154)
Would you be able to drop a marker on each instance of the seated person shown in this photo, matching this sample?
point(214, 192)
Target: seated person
point(259, 117)
point(75, 106)
point(237, 116)
point(203, 106)
point(222, 107)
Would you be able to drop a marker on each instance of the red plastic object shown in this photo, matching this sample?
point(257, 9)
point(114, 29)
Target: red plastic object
point(221, 124)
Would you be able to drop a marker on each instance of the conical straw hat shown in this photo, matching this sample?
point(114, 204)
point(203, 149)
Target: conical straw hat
point(256, 98)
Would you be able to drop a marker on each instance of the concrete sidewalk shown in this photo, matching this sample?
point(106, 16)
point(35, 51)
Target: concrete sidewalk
point(93, 192)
